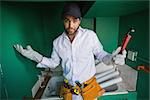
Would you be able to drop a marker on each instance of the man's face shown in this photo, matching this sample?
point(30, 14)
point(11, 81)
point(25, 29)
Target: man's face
point(71, 24)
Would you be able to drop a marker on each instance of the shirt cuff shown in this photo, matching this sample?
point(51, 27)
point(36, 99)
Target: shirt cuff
point(42, 64)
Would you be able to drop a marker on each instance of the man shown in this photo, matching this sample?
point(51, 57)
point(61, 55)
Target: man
point(75, 48)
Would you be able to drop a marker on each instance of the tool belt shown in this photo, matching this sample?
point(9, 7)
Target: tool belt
point(91, 90)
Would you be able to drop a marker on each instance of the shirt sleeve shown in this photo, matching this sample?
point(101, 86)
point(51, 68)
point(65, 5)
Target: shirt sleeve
point(98, 48)
point(52, 62)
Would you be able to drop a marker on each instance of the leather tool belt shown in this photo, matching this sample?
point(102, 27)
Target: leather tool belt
point(90, 90)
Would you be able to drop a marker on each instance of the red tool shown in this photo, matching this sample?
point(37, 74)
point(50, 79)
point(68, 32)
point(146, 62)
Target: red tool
point(126, 39)
point(144, 68)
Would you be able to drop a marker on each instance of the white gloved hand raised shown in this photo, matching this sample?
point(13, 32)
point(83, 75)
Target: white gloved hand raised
point(29, 53)
point(117, 58)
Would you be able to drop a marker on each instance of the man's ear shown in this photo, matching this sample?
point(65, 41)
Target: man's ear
point(80, 18)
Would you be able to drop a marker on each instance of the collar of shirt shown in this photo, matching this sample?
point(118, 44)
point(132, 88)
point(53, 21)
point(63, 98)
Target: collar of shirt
point(79, 32)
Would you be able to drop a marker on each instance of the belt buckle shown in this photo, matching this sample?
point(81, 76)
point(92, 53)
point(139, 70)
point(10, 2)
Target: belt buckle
point(75, 91)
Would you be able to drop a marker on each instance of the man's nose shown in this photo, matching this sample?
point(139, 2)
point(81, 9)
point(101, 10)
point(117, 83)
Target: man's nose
point(70, 24)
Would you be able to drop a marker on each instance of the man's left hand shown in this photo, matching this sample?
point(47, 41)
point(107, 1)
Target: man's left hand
point(119, 59)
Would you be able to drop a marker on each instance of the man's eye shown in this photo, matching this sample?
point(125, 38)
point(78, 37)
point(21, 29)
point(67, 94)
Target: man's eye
point(66, 20)
point(76, 19)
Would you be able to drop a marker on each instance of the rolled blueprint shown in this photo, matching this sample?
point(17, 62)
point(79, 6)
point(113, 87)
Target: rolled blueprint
point(111, 82)
point(104, 73)
point(109, 76)
point(101, 67)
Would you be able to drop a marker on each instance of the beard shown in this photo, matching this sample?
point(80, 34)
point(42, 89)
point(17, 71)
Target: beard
point(71, 31)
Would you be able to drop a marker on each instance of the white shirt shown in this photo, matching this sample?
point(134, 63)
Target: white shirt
point(77, 58)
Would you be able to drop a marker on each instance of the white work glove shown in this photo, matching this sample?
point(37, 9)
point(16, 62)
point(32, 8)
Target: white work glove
point(115, 57)
point(29, 53)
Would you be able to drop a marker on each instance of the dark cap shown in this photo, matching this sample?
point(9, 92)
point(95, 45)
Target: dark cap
point(71, 9)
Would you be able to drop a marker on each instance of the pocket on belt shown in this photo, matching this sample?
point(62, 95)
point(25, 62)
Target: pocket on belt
point(65, 93)
point(92, 91)
point(67, 96)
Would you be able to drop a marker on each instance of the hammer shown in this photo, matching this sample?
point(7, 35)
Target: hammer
point(126, 39)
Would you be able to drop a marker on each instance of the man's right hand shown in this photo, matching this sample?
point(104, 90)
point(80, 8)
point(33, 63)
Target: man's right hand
point(29, 53)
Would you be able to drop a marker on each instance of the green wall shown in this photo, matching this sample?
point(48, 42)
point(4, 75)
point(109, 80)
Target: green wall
point(25, 23)
point(19, 25)
point(140, 43)
point(107, 31)
point(88, 23)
